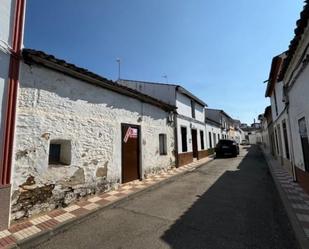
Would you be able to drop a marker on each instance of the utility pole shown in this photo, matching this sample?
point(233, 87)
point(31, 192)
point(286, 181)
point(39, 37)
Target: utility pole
point(119, 66)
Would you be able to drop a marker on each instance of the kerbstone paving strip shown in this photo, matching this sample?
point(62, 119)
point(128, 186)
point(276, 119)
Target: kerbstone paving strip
point(299, 200)
point(31, 227)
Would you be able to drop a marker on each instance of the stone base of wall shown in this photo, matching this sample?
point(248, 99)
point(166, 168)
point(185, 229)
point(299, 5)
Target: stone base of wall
point(202, 154)
point(185, 158)
point(32, 199)
point(5, 197)
point(303, 179)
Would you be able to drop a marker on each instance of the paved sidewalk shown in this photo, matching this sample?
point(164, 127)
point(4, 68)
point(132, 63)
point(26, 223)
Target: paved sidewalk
point(295, 200)
point(40, 225)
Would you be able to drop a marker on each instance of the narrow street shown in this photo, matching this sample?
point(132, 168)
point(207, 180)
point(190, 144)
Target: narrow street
point(228, 203)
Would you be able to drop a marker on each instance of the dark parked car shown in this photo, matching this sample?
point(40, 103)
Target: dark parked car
point(227, 147)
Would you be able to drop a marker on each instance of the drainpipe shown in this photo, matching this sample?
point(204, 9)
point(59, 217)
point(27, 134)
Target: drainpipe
point(176, 129)
point(10, 113)
point(176, 140)
point(9, 126)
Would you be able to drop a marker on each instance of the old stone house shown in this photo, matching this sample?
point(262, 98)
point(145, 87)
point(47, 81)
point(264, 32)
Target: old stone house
point(78, 133)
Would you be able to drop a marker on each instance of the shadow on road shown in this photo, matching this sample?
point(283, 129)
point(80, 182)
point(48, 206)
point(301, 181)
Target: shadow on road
point(240, 210)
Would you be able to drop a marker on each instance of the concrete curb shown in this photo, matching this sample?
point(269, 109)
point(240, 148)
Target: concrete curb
point(43, 236)
point(297, 228)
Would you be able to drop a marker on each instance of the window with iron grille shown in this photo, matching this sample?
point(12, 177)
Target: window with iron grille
point(210, 140)
point(184, 139)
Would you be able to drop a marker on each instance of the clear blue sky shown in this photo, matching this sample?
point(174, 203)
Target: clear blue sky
point(220, 50)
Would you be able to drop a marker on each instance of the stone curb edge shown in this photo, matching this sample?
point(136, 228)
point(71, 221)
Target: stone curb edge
point(47, 234)
point(296, 226)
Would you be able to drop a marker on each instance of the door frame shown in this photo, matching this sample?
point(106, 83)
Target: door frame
point(139, 149)
point(306, 166)
point(195, 130)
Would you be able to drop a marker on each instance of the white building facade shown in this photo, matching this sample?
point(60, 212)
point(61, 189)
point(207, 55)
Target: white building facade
point(213, 133)
point(280, 121)
point(295, 76)
point(190, 119)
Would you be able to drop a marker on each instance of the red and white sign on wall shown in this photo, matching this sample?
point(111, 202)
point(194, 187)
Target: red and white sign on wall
point(131, 133)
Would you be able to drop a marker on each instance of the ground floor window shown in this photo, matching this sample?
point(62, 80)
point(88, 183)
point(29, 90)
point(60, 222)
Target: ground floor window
point(210, 140)
point(202, 140)
point(184, 139)
point(286, 141)
point(59, 152)
point(162, 144)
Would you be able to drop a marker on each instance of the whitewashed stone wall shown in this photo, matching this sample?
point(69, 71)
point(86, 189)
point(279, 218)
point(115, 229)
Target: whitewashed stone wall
point(53, 106)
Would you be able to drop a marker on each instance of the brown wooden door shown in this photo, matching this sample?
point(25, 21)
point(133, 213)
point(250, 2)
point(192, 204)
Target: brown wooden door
point(130, 152)
point(194, 143)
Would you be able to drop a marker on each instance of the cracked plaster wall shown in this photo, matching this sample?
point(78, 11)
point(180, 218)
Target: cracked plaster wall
point(52, 106)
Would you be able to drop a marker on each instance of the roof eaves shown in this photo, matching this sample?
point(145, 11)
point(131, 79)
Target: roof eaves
point(149, 82)
point(211, 121)
point(38, 57)
point(190, 95)
point(301, 25)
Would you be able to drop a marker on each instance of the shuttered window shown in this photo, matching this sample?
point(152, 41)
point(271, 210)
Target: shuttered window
point(162, 144)
point(202, 140)
point(184, 139)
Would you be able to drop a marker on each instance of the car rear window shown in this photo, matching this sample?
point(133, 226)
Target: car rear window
point(226, 142)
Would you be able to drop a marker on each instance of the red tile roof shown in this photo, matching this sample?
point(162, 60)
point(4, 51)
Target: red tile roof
point(301, 25)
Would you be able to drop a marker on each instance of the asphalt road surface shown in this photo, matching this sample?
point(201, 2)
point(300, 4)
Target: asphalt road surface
point(228, 203)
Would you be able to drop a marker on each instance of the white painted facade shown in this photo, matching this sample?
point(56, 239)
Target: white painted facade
point(255, 137)
point(183, 104)
point(282, 148)
point(213, 131)
point(182, 99)
point(53, 106)
point(299, 108)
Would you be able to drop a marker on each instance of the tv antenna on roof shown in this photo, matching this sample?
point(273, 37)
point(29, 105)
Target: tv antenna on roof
point(165, 77)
